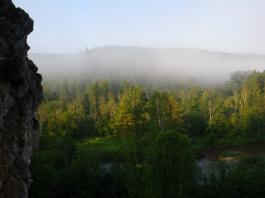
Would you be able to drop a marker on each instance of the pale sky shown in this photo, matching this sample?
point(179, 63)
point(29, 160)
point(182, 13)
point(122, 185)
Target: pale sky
point(68, 26)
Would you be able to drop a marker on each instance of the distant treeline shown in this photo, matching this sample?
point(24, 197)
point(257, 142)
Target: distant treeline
point(86, 109)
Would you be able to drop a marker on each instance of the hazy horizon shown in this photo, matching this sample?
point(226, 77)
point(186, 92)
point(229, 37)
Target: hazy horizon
point(147, 40)
point(151, 65)
point(223, 26)
point(144, 47)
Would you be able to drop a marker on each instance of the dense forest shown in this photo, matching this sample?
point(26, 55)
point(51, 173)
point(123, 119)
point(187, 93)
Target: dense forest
point(122, 139)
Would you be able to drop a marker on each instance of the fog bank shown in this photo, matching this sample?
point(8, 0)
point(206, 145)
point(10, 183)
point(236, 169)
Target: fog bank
point(148, 64)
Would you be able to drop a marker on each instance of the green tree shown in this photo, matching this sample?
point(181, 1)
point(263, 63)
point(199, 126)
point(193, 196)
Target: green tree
point(173, 165)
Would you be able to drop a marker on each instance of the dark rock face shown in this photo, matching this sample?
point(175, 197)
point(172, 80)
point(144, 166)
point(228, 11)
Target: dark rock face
point(20, 95)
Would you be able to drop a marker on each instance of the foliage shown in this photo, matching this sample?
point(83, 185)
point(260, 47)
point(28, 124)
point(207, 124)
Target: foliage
point(110, 139)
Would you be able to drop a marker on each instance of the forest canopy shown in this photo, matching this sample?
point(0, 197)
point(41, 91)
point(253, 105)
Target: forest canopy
point(121, 139)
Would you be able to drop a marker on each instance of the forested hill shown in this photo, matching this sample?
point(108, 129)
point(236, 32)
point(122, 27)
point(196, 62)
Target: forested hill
point(134, 63)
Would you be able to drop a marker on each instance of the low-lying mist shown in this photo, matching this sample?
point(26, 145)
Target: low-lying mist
point(148, 65)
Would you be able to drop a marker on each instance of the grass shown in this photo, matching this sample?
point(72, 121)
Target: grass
point(105, 144)
point(106, 149)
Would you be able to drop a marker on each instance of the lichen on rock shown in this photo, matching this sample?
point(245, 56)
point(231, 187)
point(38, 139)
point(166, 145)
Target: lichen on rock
point(20, 95)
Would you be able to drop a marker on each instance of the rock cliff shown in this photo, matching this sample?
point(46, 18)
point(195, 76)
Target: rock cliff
point(20, 95)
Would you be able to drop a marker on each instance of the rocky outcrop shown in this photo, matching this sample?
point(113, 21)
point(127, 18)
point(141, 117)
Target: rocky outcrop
point(20, 95)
